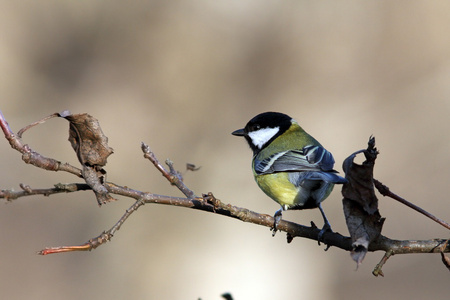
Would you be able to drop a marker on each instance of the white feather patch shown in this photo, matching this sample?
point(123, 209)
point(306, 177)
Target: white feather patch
point(262, 136)
point(272, 160)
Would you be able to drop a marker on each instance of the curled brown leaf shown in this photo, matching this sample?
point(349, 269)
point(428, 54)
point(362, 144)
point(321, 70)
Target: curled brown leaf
point(360, 203)
point(91, 147)
point(88, 139)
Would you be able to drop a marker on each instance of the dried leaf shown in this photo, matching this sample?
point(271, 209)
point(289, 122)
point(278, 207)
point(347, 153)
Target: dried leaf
point(192, 167)
point(363, 228)
point(445, 260)
point(87, 139)
point(360, 186)
point(360, 203)
point(91, 146)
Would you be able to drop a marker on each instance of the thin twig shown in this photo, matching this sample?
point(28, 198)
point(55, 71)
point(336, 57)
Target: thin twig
point(11, 194)
point(93, 243)
point(21, 131)
point(211, 204)
point(172, 176)
point(206, 203)
point(377, 270)
point(385, 191)
point(30, 156)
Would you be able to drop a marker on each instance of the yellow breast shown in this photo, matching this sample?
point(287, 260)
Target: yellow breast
point(278, 187)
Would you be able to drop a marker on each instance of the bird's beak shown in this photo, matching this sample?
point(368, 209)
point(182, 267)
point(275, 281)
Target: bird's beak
point(239, 132)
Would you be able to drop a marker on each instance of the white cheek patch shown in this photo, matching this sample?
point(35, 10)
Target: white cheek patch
point(262, 136)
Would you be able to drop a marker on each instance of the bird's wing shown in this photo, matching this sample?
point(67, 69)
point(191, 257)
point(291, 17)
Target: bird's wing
point(310, 158)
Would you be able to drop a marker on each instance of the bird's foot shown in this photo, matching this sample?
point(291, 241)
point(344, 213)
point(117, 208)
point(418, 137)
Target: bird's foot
point(277, 218)
point(326, 227)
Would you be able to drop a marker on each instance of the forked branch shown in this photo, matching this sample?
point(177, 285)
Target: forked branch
point(94, 161)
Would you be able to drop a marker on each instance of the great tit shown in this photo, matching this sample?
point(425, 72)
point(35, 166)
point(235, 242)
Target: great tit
point(289, 165)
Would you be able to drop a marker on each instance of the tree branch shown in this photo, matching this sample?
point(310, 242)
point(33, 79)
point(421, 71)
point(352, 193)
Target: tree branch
point(30, 156)
point(385, 191)
point(206, 202)
point(10, 195)
point(172, 176)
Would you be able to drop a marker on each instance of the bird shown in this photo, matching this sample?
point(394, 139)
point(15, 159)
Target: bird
point(289, 165)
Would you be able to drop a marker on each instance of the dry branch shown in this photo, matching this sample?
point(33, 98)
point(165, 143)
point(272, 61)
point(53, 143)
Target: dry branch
point(207, 202)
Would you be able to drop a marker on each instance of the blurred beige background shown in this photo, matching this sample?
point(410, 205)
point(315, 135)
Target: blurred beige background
point(181, 75)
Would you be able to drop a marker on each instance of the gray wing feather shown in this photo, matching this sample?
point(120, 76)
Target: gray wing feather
point(313, 159)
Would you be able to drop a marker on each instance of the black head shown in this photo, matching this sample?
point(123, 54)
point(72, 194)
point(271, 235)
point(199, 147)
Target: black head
point(263, 129)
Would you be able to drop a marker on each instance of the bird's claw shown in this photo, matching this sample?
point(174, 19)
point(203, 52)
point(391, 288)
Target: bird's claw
point(324, 229)
point(277, 218)
point(274, 230)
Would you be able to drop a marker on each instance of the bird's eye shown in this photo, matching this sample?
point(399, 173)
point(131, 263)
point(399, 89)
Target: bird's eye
point(255, 127)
